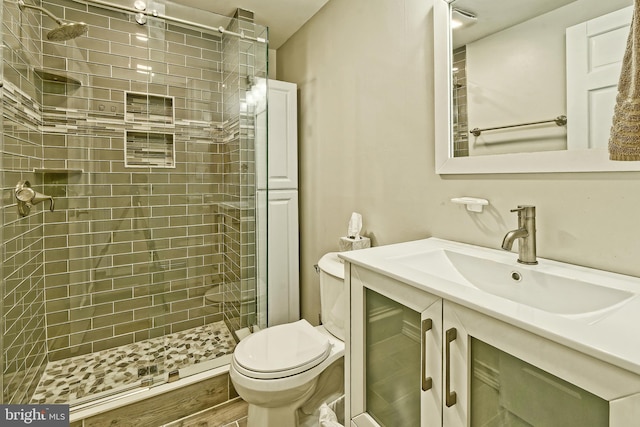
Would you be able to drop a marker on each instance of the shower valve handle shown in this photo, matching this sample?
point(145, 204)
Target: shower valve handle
point(27, 197)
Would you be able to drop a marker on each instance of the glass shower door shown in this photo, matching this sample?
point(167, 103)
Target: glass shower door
point(150, 254)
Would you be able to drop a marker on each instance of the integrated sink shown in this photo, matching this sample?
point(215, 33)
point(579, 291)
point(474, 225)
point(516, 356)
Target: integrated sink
point(552, 288)
point(591, 311)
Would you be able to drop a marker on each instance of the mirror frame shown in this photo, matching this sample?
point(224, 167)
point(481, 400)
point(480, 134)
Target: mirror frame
point(591, 160)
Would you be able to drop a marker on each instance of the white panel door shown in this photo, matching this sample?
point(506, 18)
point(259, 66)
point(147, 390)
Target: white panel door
point(594, 59)
point(278, 206)
point(283, 296)
point(283, 137)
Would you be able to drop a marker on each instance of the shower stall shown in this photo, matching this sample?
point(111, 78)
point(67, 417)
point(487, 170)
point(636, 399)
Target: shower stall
point(137, 134)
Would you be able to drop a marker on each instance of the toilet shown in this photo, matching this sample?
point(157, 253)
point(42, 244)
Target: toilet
point(286, 372)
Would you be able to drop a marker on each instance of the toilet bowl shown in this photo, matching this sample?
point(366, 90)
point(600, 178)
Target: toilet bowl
point(287, 371)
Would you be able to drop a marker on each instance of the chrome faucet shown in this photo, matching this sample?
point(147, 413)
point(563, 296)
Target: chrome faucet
point(526, 232)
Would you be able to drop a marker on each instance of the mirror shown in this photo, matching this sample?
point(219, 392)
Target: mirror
point(515, 87)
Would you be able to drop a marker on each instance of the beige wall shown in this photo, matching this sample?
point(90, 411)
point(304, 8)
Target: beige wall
point(365, 76)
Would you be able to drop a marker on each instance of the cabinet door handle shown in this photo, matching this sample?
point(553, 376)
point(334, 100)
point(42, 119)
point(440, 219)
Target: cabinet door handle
point(451, 397)
point(427, 382)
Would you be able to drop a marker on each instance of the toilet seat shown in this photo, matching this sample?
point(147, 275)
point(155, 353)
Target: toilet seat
point(281, 351)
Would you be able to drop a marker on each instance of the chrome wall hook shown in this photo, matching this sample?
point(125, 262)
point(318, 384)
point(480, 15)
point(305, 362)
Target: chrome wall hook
point(27, 197)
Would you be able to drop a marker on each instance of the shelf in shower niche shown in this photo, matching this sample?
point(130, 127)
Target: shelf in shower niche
point(58, 77)
point(147, 108)
point(58, 170)
point(149, 149)
point(242, 205)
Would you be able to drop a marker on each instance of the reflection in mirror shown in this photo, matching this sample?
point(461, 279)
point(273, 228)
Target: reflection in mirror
point(535, 75)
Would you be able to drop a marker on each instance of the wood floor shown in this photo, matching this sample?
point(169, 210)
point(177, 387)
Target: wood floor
point(230, 414)
point(209, 403)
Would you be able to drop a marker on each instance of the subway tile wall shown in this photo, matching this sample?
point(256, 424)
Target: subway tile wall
point(128, 253)
point(23, 307)
point(460, 116)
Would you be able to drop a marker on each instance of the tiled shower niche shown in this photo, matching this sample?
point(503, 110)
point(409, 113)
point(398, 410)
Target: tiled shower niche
point(148, 149)
point(146, 108)
point(129, 252)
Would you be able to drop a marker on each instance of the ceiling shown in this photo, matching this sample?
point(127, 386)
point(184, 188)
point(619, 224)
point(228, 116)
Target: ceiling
point(496, 15)
point(283, 17)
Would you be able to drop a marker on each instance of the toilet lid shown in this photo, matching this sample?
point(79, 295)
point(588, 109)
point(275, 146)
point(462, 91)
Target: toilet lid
point(281, 351)
point(331, 264)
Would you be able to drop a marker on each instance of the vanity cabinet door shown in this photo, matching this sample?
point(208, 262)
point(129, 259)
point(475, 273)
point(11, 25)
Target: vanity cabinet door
point(499, 375)
point(394, 352)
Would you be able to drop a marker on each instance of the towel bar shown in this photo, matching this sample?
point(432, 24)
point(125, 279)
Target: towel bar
point(560, 121)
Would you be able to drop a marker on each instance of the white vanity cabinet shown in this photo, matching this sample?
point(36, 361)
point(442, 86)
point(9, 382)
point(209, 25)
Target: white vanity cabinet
point(502, 375)
point(415, 359)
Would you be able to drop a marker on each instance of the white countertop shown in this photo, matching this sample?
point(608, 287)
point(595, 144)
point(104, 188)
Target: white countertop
point(611, 335)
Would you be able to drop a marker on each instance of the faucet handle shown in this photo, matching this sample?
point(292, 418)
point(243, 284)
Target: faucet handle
point(27, 197)
point(529, 210)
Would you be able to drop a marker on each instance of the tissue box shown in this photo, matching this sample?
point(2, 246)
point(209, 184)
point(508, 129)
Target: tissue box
point(351, 244)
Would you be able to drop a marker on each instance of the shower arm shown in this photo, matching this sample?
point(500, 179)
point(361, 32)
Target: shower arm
point(22, 5)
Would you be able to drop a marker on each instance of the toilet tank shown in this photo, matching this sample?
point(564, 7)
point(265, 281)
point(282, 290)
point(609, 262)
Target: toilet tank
point(333, 298)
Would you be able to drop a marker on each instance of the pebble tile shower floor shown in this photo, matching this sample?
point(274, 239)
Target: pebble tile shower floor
point(76, 378)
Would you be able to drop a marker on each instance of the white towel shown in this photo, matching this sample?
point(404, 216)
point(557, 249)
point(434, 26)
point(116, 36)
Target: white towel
point(328, 418)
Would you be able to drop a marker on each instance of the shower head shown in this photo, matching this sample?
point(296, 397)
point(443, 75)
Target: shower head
point(67, 31)
point(64, 31)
